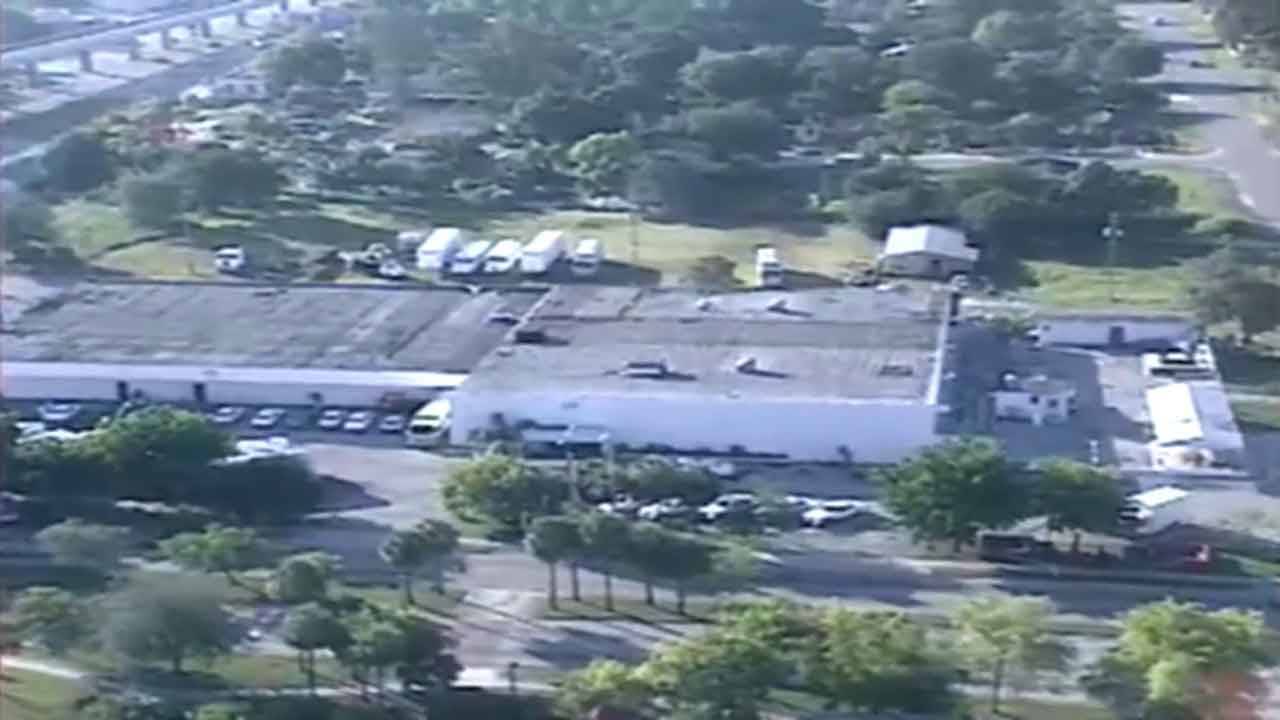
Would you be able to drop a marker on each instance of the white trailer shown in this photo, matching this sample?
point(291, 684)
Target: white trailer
point(439, 248)
point(1149, 512)
point(770, 271)
point(470, 259)
point(587, 257)
point(503, 257)
point(540, 253)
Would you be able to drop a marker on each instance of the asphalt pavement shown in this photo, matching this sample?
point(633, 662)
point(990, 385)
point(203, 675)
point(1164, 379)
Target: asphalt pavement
point(1222, 100)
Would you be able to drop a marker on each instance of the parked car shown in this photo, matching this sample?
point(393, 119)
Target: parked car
point(267, 417)
point(726, 504)
point(58, 412)
point(358, 421)
point(624, 505)
point(663, 510)
point(826, 512)
point(392, 424)
point(331, 419)
point(227, 415)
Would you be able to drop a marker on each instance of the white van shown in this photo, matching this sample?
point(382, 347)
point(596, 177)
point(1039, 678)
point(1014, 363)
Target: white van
point(587, 257)
point(540, 253)
point(439, 248)
point(430, 424)
point(229, 258)
point(769, 269)
point(470, 259)
point(503, 257)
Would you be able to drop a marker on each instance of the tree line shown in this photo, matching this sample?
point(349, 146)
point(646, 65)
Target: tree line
point(1170, 660)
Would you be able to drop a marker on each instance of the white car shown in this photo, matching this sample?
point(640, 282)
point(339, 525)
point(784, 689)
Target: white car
point(725, 504)
point(392, 269)
point(663, 509)
point(227, 415)
point(392, 424)
point(358, 421)
point(829, 511)
point(267, 417)
point(620, 505)
point(331, 419)
point(58, 412)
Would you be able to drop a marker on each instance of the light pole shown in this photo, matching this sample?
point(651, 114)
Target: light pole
point(512, 668)
point(1112, 233)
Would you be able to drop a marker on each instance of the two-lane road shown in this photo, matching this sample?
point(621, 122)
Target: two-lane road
point(1223, 98)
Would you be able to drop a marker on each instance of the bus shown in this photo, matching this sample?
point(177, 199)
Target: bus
point(429, 426)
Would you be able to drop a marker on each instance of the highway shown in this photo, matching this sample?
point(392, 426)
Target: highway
point(1223, 99)
point(122, 35)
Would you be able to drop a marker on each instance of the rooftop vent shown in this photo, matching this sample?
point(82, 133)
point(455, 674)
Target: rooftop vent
point(646, 369)
point(778, 305)
point(530, 336)
point(745, 365)
point(704, 304)
point(896, 370)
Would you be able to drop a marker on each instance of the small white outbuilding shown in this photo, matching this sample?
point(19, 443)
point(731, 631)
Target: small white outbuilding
point(933, 251)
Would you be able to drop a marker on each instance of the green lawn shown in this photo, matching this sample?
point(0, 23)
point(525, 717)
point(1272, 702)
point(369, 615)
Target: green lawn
point(1257, 415)
point(1089, 286)
point(91, 229)
point(1207, 194)
point(35, 696)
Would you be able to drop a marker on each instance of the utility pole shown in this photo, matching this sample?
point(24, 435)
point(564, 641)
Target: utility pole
point(1112, 233)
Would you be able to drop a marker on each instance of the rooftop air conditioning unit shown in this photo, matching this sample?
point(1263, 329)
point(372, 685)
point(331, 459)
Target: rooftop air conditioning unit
point(530, 336)
point(746, 365)
point(778, 305)
point(646, 369)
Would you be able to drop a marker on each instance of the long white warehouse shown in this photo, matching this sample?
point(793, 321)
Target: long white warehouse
point(831, 374)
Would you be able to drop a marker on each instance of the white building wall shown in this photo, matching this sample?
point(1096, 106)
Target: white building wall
point(19, 387)
point(1094, 332)
point(801, 429)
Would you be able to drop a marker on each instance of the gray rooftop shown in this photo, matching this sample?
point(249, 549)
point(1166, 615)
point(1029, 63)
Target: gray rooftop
point(238, 324)
point(841, 343)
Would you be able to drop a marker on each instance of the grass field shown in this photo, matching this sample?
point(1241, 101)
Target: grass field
point(1257, 415)
point(1085, 286)
point(35, 696)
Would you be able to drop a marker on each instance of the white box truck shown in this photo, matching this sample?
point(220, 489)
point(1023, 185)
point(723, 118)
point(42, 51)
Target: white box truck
point(470, 259)
point(439, 248)
point(540, 253)
point(587, 257)
point(1147, 513)
point(503, 257)
point(770, 271)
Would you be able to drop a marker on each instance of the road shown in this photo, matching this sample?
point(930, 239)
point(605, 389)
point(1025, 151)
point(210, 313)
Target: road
point(1221, 99)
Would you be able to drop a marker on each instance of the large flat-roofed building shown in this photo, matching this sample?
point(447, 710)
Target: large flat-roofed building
point(827, 374)
point(245, 343)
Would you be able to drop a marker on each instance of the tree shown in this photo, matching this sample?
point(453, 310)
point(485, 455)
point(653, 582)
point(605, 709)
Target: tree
point(153, 200)
point(311, 61)
point(50, 617)
point(217, 548)
point(503, 491)
point(1180, 660)
point(1131, 57)
point(1006, 31)
point(76, 542)
point(1000, 635)
point(311, 628)
point(687, 561)
point(1231, 285)
point(79, 162)
point(26, 218)
point(603, 161)
point(712, 271)
point(1078, 497)
point(429, 544)
point(376, 644)
point(554, 539)
point(647, 552)
point(738, 128)
point(1097, 189)
point(303, 578)
point(155, 452)
point(561, 116)
point(951, 491)
point(997, 217)
point(601, 686)
point(958, 64)
point(880, 661)
point(605, 539)
point(167, 621)
point(721, 674)
point(238, 178)
point(840, 80)
point(727, 77)
point(426, 659)
point(654, 478)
